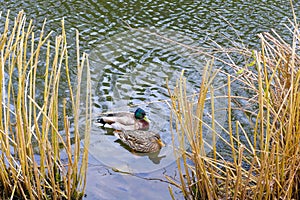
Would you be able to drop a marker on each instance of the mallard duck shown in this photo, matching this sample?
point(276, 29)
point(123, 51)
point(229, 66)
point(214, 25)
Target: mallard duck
point(140, 141)
point(125, 120)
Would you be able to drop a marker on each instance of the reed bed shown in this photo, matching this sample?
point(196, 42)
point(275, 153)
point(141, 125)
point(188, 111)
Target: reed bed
point(266, 163)
point(32, 136)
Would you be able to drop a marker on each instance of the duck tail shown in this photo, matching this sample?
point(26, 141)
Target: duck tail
point(101, 122)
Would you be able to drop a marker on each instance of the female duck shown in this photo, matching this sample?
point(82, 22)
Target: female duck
point(141, 141)
point(125, 120)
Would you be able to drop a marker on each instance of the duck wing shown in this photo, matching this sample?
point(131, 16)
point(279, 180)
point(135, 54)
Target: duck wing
point(140, 141)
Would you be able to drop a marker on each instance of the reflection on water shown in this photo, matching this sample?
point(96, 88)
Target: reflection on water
point(107, 149)
point(130, 70)
point(155, 157)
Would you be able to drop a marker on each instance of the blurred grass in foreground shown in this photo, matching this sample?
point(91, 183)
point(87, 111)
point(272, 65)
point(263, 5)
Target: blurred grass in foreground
point(263, 166)
point(30, 139)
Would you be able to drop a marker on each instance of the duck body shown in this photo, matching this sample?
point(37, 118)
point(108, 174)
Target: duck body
point(125, 120)
point(140, 141)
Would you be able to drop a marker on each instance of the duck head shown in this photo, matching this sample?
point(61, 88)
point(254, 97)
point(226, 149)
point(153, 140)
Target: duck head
point(141, 114)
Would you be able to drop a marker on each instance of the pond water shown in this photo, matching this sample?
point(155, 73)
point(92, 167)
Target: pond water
point(130, 66)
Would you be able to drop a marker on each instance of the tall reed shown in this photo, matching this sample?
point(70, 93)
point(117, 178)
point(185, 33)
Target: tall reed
point(266, 163)
point(32, 136)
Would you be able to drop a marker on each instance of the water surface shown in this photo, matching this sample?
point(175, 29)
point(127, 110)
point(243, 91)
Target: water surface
point(130, 67)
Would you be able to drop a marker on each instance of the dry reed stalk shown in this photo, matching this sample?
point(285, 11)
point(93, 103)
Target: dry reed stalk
point(31, 138)
point(265, 164)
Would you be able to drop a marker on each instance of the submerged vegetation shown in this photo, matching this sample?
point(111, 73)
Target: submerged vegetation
point(266, 164)
point(33, 134)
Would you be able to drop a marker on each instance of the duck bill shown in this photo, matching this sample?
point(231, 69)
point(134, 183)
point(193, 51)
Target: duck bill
point(146, 119)
point(161, 143)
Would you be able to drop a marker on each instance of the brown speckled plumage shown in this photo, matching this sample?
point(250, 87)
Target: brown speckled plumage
point(140, 141)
